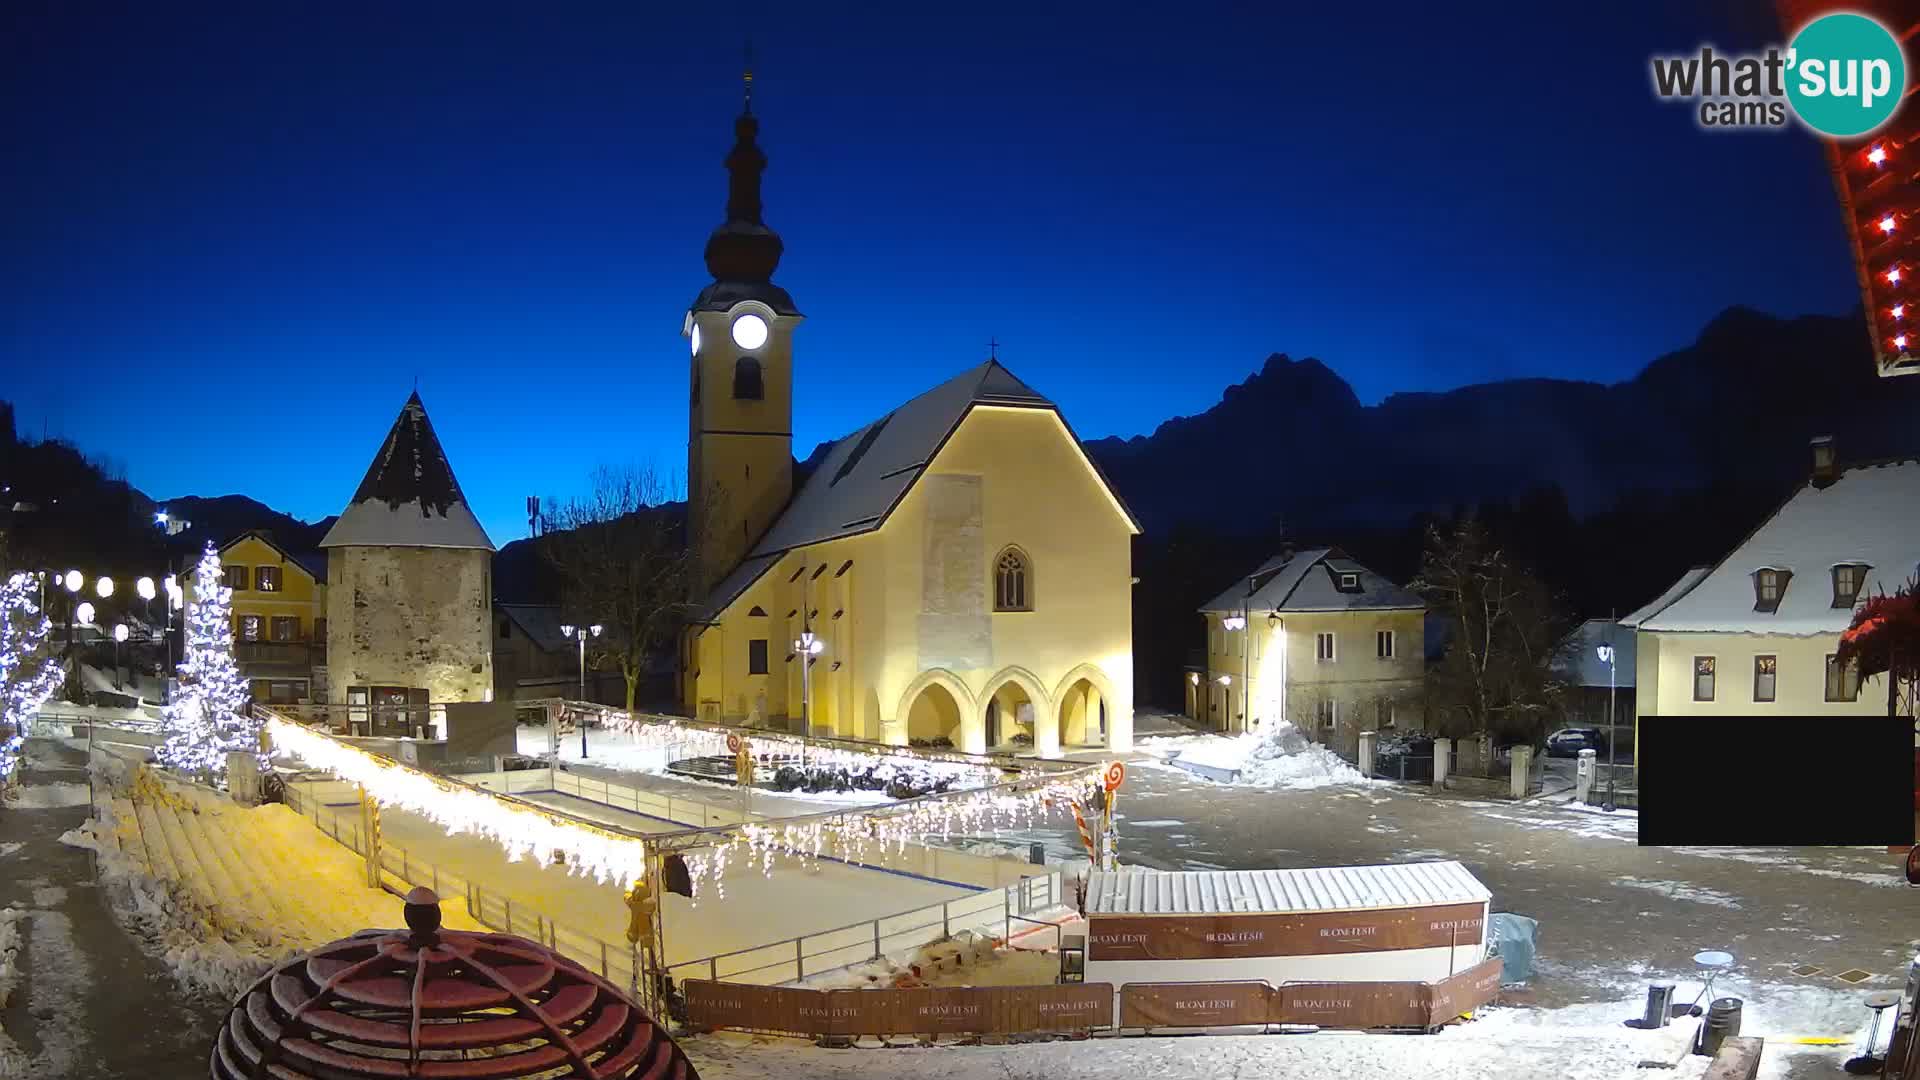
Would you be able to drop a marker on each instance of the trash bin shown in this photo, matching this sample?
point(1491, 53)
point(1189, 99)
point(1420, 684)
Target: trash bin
point(1659, 1006)
point(1723, 1022)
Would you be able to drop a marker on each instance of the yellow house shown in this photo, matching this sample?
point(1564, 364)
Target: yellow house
point(956, 571)
point(1757, 632)
point(279, 617)
point(1318, 639)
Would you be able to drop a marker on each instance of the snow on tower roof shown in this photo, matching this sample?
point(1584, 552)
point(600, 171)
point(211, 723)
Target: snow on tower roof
point(409, 497)
point(1277, 892)
point(865, 475)
point(1869, 515)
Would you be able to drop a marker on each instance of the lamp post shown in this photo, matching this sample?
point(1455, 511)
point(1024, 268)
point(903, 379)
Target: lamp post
point(808, 646)
point(1606, 657)
point(119, 636)
point(581, 634)
point(73, 581)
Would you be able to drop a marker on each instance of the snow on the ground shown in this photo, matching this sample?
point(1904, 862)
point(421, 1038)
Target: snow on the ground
point(50, 796)
point(10, 847)
point(9, 953)
point(1276, 756)
point(622, 752)
point(1680, 890)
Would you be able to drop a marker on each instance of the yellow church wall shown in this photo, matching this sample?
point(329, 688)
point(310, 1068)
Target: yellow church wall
point(897, 677)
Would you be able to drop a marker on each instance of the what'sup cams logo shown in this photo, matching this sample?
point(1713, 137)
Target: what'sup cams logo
point(1842, 75)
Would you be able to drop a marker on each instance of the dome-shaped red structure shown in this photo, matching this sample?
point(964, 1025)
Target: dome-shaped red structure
point(440, 1003)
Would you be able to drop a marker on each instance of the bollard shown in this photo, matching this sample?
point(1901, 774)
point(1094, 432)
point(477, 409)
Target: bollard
point(1659, 1006)
point(1442, 760)
point(1583, 776)
point(1366, 752)
point(1522, 771)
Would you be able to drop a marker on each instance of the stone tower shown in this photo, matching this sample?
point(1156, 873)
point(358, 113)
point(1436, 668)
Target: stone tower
point(740, 329)
point(409, 575)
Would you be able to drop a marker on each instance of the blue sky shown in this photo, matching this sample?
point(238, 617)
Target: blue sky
point(237, 235)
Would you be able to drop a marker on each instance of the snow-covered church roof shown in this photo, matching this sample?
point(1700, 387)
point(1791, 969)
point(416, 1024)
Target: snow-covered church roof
point(1869, 515)
point(865, 475)
point(409, 497)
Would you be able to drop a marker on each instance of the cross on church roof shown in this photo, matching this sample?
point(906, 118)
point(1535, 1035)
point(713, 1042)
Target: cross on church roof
point(993, 349)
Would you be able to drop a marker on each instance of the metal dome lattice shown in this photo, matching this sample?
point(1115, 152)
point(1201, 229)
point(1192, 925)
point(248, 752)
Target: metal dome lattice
point(434, 1003)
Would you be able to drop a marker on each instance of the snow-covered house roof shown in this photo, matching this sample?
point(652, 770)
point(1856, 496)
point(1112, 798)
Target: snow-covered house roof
point(539, 622)
point(1867, 516)
point(865, 475)
point(1579, 661)
point(1660, 603)
point(409, 497)
point(1310, 581)
point(1332, 888)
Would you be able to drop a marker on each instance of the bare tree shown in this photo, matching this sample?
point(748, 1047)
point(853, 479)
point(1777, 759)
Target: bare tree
point(1497, 675)
point(622, 557)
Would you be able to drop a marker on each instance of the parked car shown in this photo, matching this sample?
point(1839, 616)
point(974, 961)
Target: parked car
point(1568, 742)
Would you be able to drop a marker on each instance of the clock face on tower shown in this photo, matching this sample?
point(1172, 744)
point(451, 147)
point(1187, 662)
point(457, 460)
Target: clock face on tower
point(696, 339)
point(749, 331)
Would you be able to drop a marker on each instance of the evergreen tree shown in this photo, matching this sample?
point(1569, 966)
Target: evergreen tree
point(29, 674)
point(209, 716)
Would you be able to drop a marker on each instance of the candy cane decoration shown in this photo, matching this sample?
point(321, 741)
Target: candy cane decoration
point(1086, 836)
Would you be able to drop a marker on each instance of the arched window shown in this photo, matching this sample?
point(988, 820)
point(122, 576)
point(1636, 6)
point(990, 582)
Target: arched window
point(747, 384)
point(1012, 581)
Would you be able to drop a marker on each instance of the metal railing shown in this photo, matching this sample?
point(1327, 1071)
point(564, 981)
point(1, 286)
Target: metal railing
point(806, 955)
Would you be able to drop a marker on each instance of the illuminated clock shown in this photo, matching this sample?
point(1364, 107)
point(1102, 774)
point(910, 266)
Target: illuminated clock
point(696, 339)
point(749, 331)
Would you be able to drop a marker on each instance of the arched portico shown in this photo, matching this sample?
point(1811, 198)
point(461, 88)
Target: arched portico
point(950, 707)
point(1084, 707)
point(1014, 699)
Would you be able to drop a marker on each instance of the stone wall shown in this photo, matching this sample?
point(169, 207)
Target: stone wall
point(417, 617)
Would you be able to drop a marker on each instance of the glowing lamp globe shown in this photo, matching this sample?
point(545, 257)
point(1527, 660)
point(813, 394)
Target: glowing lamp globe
point(73, 581)
point(427, 1002)
point(84, 612)
point(145, 588)
point(104, 587)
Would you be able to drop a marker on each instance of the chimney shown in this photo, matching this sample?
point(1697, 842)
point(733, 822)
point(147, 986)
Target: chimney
point(1826, 467)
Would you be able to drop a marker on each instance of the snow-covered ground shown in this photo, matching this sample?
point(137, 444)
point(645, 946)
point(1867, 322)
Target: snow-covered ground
point(623, 753)
point(1276, 756)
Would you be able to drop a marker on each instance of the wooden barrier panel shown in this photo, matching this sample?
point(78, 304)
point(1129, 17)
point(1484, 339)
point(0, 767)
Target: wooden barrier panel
point(960, 1010)
point(1222, 1004)
point(1313, 933)
point(1353, 1005)
point(1466, 991)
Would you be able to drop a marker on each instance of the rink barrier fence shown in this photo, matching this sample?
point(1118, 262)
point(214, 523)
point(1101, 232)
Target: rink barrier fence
point(1005, 1010)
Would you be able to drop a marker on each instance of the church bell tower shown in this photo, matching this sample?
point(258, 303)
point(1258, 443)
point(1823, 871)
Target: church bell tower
point(740, 330)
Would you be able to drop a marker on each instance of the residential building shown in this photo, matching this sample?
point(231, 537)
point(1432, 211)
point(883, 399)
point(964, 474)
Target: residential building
point(1599, 694)
point(279, 617)
point(1756, 633)
point(956, 571)
point(1316, 638)
point(409, 587)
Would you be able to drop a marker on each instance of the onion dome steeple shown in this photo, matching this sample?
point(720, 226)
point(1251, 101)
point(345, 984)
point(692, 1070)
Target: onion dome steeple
point(743, 253)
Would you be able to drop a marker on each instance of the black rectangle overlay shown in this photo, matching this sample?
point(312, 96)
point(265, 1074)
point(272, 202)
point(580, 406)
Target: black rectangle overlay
point(1775, 781)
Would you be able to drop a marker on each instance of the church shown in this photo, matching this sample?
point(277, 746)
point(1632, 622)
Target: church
point(955, 573)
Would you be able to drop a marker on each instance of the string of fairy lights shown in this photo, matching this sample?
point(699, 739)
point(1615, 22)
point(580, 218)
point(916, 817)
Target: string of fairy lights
point(864, 835)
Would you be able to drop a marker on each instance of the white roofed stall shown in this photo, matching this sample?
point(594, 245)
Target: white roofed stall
point(1406, 922)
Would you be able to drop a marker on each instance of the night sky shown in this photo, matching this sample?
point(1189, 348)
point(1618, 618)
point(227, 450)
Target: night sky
point(234, 236)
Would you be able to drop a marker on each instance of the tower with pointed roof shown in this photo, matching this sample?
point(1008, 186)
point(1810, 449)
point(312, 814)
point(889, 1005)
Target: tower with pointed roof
point(409, 585)
point(740, 330)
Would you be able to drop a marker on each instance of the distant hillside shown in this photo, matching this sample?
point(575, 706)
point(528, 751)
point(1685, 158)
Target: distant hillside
point(223, 517)
point(1293, 443)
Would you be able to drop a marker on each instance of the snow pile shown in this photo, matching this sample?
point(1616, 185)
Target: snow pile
point(173, 925)
point(9, 953)
point(51, 795)
point(1279, 755)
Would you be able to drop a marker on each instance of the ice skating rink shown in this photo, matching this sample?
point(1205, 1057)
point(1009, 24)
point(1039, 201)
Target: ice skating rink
point(756, 909)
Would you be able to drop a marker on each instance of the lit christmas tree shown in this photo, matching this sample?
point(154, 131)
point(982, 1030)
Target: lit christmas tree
point(209, 715)
point(28, 672)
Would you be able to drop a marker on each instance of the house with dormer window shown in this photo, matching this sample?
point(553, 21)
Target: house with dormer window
point(1757, 632)
point(1316, 638)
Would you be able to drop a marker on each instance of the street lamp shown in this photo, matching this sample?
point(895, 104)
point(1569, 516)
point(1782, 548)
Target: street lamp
point(119, 636)
point(72, 580)
point(808, 646)
point(104, 587)
point(1606, 657)
point(84, 612)
point(580, 634)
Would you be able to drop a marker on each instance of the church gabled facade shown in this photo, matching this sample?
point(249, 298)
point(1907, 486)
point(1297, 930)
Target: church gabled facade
point(955, 572)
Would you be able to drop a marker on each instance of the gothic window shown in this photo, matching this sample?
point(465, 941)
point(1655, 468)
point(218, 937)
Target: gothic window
point(1012, 581)
point(746, 379)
